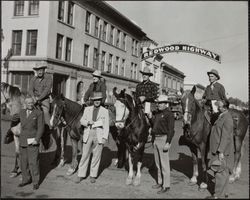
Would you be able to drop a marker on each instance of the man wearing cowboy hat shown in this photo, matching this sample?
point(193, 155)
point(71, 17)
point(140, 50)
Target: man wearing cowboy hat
point(215, 91)
point(146, 91)
point(162, 134)
point(222, 150)
point(97, 86)
point(95, 120)
point(40, 88)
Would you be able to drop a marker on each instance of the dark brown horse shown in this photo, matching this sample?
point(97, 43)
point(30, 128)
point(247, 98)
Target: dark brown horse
point(68, 112)
point(197, 129)
point(132, 124)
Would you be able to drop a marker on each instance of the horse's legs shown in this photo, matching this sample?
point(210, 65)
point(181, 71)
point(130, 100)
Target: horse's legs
point(63, 136)
point(17, 153)
point(129, 179)
point(74, 162)
point(137, 180)
point(237, 160)
point(193, 180)
point(204, 177)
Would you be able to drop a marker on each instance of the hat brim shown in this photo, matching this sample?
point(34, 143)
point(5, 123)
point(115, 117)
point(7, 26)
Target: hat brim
point(146, 73)
point(214, 74)
point(37, 68)
point(163, 101)
point(96, 98)
point(97, 75)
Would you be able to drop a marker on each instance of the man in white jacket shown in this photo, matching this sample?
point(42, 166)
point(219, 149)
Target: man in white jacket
point(95, 120)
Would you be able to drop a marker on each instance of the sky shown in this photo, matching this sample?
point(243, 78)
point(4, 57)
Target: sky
point(218, 26)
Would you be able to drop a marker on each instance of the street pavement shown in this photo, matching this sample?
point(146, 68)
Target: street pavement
point(111, 181)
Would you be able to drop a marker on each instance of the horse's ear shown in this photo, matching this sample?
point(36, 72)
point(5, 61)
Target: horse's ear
point(122, 93)
point(114, 92)
point(193, 90)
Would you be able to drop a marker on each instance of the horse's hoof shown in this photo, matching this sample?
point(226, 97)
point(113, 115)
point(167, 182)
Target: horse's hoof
point(61, 164)
point(137, 181)
point(193, 181)
point(203, 186)
point(115, 162)
point(70, 172)
point(231, 179)
point(129, 181)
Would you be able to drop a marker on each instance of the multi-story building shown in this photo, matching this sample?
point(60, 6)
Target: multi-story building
point(200, 89)
point(73, 38)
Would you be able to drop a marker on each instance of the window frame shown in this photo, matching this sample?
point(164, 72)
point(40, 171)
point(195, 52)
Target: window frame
point(68, 49)
point(86, 55)
point(61, 9)
point(29, 43)
point(59, 50)
point(95, 58)
point(103, 60)
point(15, 43)
point(88, 21)
point(20, 5)
point(70, 13)
point(34, 4)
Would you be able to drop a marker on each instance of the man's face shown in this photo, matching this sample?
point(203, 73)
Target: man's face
point(145, 77)
point(162, 105)
point(97, 103)
point(40, 72)
point(95, 79)
point(212, 78)
point(29, 103)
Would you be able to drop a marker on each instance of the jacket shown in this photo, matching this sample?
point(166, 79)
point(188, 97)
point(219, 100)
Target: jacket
point(40, 89)
point(103, 116)
point(31, 126)
point(147, 89)
point(217, 93)
point(100, 87)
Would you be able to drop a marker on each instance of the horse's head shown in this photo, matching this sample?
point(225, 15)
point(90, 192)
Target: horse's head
point(188, 104)
point(123, 105)
point(58, 105)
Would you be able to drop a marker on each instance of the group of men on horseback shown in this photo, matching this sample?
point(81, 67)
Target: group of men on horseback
point(95, 120)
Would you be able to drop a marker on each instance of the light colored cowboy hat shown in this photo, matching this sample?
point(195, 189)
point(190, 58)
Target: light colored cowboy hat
point(96, 96)
point(214, 72)
point(163, 99)
point(146, 71)
point(40, 66)
point(222, 103)
point(97, 73)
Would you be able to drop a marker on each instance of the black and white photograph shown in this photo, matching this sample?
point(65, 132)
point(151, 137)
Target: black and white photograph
point(124, 99)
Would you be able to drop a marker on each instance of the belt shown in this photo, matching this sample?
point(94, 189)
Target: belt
point(159, 135)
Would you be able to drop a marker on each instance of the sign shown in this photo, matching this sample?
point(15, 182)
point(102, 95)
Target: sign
point(182, 48)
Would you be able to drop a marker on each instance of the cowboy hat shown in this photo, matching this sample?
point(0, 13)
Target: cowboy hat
point(146, 71)
point(214, 72)
point(96, 96)
point(217, 165)
point(97, 73)
point(40, 66)
point(163, 99)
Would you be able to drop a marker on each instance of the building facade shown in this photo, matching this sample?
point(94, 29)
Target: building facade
point(200, 89)
point(73, 38)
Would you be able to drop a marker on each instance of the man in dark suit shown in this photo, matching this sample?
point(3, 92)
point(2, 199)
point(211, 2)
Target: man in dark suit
point(222, 150)
point(32, 128)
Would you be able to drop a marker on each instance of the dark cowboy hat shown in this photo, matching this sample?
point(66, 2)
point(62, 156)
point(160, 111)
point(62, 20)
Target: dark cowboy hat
point(214, 72)
point(41, 66)
point(146, 71)
point(96, 96)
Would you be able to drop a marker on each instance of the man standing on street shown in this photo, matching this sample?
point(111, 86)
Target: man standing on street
point(95, 120)
point(222, 150)
point(32, 128)
point(162, 134)
point(40, 88)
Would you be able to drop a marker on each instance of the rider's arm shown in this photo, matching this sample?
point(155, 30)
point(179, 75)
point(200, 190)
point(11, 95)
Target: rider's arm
point(170, 127)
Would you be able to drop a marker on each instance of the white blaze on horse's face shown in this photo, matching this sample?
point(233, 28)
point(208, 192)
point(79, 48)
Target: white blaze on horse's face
point(187, 114)
point(53, 116)
point(121, 114)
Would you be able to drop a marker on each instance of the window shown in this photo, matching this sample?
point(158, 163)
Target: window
point(68, 49)
point(174, 84)
point(59, 44)
point(103, 60)
point(118, 38)
point(104, 34)
point(18, 8)
point(165, 81)
point(95, 59)
point(169, 82)
point(116, 65)
point(133, 46)
point(87, 25)
point(16, 42)
point(97, 20)
point(70, 12)
point(124, 42)
point(136, 48)
point(31, 42)
point(61, 6)
point(178, 85)
point(135, 71)
point(33, 7)
point(131, 71)
point(86, 55)
point(111, 35)
point(110, 62)
point(122, 67)
point(22, 79)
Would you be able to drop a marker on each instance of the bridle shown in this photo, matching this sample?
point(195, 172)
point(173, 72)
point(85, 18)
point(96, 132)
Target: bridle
point(124, 112)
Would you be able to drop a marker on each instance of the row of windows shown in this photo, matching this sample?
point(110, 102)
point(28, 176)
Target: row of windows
point(172, 83)
point(59, 48)
point(31, 42)
point(69, 12)
point(19, 8)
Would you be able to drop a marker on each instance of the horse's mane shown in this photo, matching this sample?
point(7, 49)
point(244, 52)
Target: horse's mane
point(74, 106)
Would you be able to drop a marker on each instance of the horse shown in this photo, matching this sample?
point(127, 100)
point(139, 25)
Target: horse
point(68, 112)
point(134, 131)
point(197, 128)
point(14, 98)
